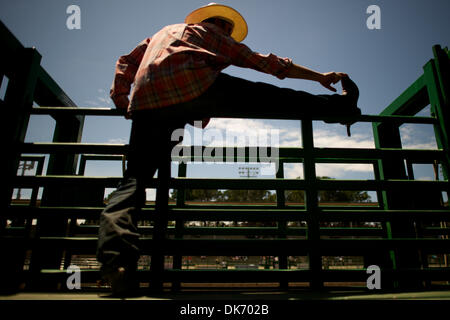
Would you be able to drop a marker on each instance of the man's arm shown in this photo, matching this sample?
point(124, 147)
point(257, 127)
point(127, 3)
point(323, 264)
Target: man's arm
point(280, 67)
point(326, 79)
point(126, 68)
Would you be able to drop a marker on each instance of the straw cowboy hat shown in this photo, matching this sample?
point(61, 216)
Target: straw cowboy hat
point(214, 10)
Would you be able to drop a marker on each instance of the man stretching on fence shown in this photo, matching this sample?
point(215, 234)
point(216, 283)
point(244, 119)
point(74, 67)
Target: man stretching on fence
point(177, 78)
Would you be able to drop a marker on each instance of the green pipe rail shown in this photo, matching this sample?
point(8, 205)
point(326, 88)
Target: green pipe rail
point(40, 238)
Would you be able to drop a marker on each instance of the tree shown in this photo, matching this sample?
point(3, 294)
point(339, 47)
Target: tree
point(247, 196)
point(342, 195)
point(203, 195)
point(207, 195)
point(298, 196)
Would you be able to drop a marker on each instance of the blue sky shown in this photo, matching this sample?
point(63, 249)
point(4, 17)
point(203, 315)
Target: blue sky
point(325, 35)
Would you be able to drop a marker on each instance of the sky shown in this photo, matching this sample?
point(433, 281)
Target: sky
point(324, 35)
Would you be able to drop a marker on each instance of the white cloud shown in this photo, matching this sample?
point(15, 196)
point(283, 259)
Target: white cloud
point(293, 170)
point(331, 139)
point(117, 141)
point(333, 170)
point(150, 194)
point(288, 134)
point(416, 136)
point(104, 100)
point(101, 100)
point(343, 170)
point(334, 136)
point(325, 136)
point(290, 138)
point(427, 178)
point(430, 145)
point(92, 103)
point(406, 131)
point(238, 132)
point(249, 129)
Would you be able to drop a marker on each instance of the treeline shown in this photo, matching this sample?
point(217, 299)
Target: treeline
point(298, 196)
point(227, 195)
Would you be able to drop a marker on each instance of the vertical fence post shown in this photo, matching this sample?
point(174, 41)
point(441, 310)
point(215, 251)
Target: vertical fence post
point(437, 73)
point(161, 214)
point(437, 76)
point(384, 136)
point(18, 103)
point(67, 129)
point(387, 135)
point(179, 223)
point(282, 225)
point(312, 205)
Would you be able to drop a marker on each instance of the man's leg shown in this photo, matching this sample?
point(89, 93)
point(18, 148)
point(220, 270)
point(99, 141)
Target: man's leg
point(230, 94)
point(258, 97)
point(118, 235)
point(118, 243)
point(118, 246)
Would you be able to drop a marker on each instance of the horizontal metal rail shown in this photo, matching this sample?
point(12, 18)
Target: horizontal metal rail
point(257, 184)
point(251, 231)
point(249, 247)
point(326, 153)
point(268, 213)
point(351, 232)
point(117, 112)
point(259, 276)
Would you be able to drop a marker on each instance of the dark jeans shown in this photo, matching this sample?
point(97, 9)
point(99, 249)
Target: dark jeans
point(150, 147)
point(149, 150)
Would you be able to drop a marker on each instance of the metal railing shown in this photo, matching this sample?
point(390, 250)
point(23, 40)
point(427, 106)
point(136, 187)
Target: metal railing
point(411, 216)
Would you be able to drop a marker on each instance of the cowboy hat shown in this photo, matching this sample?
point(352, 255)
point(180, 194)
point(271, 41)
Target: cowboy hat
point(214, 10)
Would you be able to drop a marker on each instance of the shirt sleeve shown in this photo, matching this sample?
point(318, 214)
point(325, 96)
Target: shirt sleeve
point(243, 56)
point(126, 68)
point(228, 51)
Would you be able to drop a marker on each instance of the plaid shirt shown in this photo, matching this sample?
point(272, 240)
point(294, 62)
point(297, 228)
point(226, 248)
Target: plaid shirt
point(180, 62)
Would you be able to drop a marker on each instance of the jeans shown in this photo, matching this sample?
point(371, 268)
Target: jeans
point(149, 149)
point(118, 242)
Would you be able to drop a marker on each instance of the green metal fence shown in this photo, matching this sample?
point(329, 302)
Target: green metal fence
point(41, 238)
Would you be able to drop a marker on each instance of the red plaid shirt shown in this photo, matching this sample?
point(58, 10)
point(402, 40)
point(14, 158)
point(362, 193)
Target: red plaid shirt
point(180, 62)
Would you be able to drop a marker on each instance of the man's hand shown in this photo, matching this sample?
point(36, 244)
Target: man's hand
point(326, 79)
point(330, 78)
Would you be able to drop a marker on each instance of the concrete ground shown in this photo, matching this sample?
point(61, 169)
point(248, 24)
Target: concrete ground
point(239, 295)
point(339, 304)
